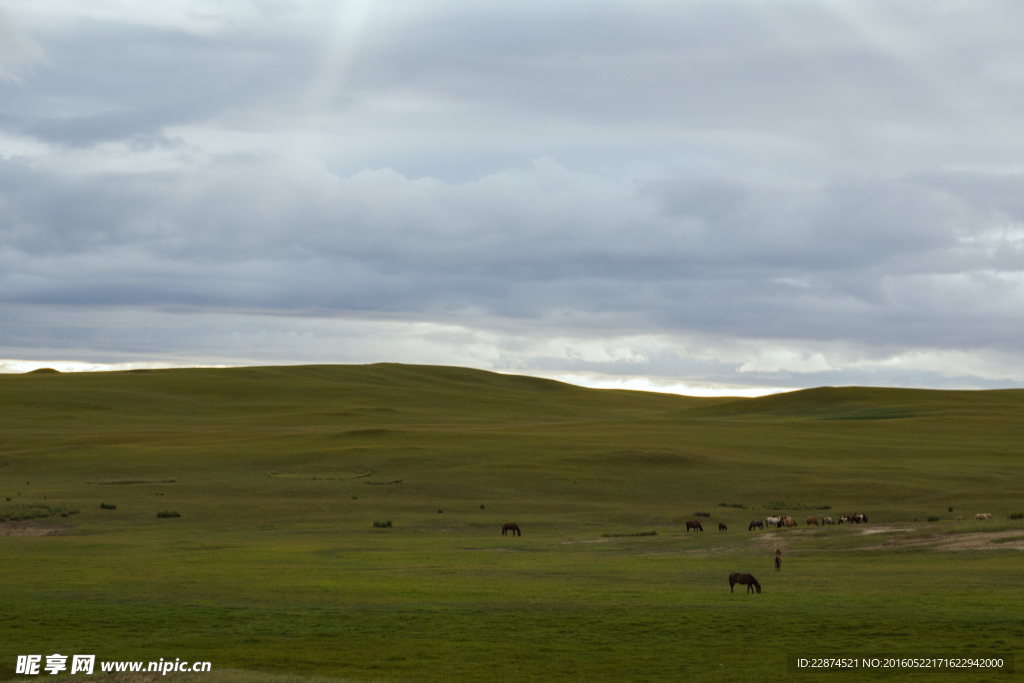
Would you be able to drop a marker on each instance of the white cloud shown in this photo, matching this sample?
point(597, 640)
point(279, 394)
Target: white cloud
point(18, 52)
point(193, 16)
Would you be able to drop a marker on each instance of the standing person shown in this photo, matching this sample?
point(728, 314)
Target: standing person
point(778, 560)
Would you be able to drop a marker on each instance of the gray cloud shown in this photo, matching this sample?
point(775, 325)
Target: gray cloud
point(853, 258)
point(797, 175)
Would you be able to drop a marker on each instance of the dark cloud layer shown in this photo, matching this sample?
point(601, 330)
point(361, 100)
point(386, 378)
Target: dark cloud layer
point(918, 261)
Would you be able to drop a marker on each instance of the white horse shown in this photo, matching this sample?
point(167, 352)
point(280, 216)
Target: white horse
point(774, 521)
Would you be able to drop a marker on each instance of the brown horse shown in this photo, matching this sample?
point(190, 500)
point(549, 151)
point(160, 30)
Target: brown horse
point(693, 525)
point(778, 560)
point(722, 527)
point(812, 520)
point(511, 526)
point(747, 579)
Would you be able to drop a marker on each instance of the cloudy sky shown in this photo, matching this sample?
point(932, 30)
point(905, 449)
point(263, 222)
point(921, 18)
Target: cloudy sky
point(702, 196)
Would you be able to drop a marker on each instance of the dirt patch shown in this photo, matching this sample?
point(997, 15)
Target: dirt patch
point(986, 540)
point(771, 540)
point(32, 527)
point(880, 530)
point(982, 540)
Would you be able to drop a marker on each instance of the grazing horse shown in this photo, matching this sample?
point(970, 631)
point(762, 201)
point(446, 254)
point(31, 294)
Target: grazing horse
point(722, 527)
point(747, 579)
point(787, 521)
point(511, 526)
point(693, 525)
point(772, 520)
point(827, 520)
point(958, 519)
point(758, 523)
point(983, 515)
point(812, 520)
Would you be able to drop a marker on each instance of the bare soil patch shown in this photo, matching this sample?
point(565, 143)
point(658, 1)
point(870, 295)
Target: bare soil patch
point(771, 540)
point(32, 527)
point(1011, 539)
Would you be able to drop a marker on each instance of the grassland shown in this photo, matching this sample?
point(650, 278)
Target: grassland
point(274, 568)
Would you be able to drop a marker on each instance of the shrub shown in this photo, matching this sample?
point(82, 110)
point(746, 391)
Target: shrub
point(168, 513)
point(382, 523)
point(933, 519)
point(639, 533)
point(1015, 515)
point(702, 514)
point(440, 512)
point(481, 507)
point(23, 511)
point(950, 508)
point(104, 506)
point(779, 505)
point(741, 506)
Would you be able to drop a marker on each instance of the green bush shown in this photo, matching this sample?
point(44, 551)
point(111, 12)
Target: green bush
point(22, 511)
point(702, 514)
point(104, 506)
point(382, 523)
point(741, 506)
point(168, 513)
point(1015, 515)
point(639, 533)
point(779, 505)
point(933, 519)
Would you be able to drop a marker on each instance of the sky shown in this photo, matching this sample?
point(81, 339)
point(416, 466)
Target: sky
point(700, 196)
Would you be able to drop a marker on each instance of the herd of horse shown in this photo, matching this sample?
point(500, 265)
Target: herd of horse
point(784, 521)
point(746, 579)
point(692, 524)
point(780, 522)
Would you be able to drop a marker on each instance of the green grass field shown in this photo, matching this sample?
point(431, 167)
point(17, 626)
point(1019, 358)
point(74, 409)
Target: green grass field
point(274, 571)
